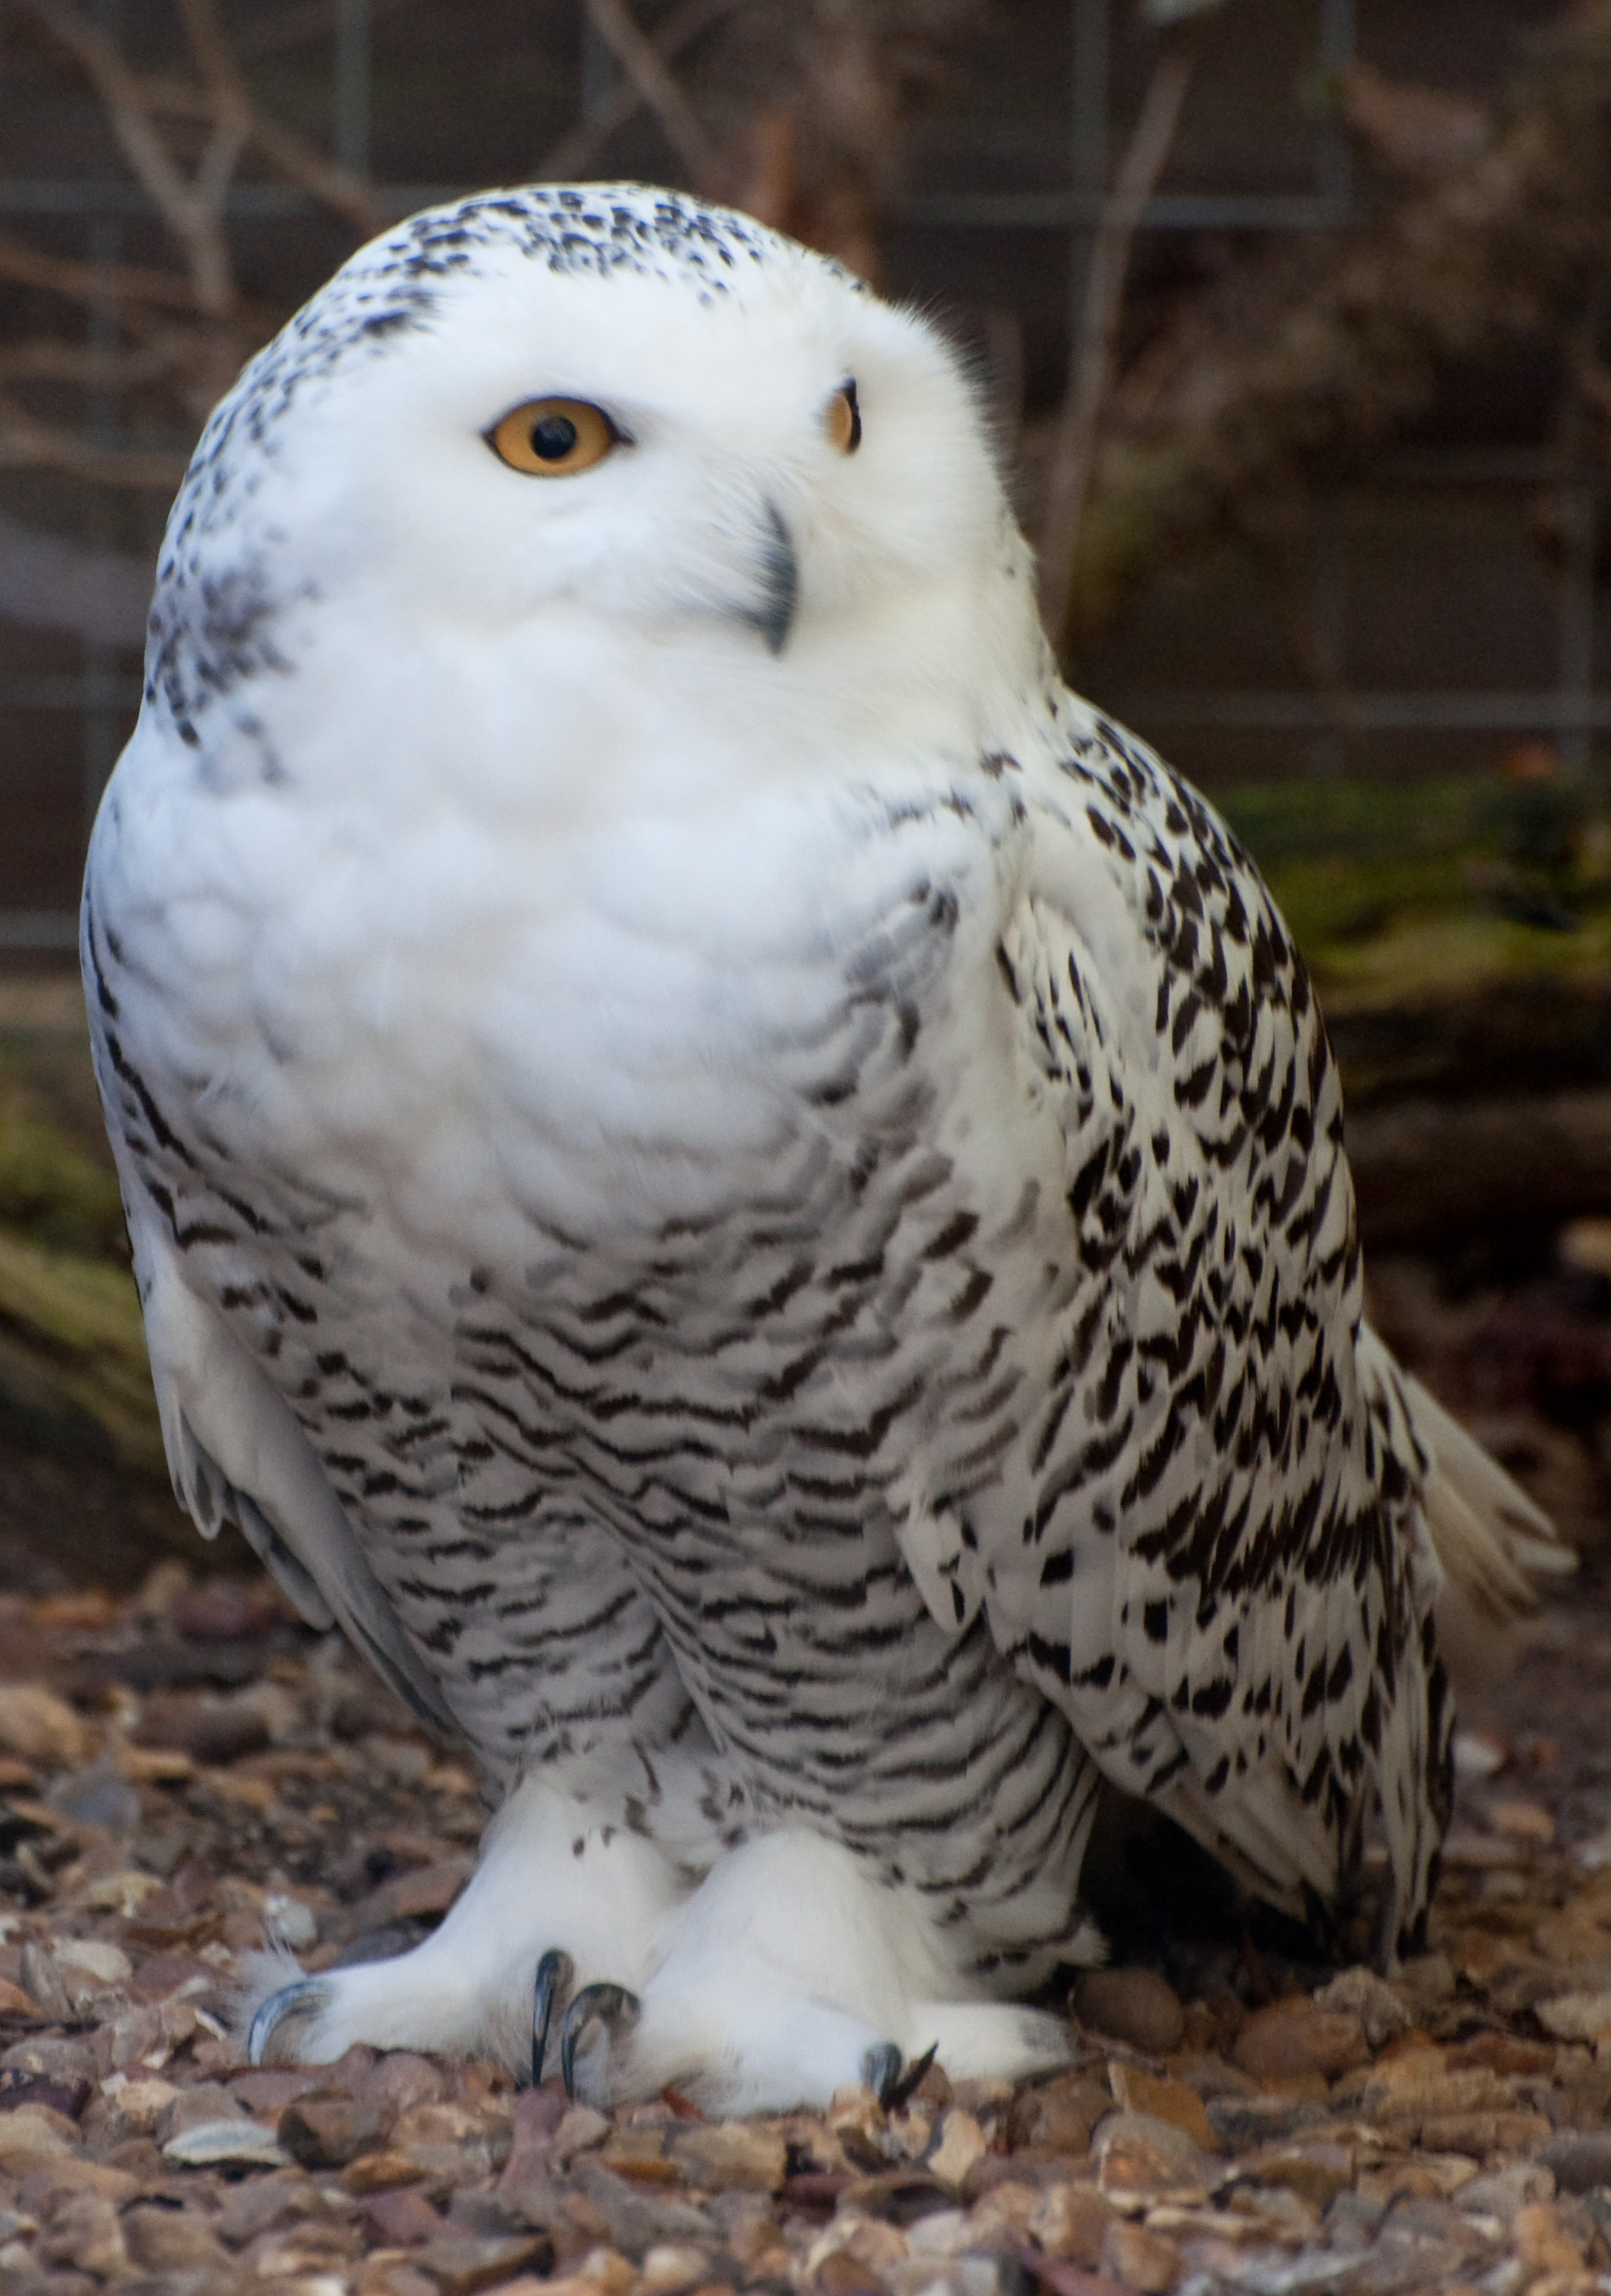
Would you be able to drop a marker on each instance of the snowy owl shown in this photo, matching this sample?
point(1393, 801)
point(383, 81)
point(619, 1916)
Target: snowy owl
point(740, 1187)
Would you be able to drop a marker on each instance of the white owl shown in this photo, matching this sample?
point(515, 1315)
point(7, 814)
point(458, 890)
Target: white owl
point(749, 1194)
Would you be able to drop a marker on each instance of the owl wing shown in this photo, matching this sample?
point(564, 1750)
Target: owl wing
point(237, 1455)
point(234, 1449)
point(1215, 1559)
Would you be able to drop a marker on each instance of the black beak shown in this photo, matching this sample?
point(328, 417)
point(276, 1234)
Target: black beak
point(781, 584)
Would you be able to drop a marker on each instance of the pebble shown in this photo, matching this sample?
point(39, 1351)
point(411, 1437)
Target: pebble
point(1140, 2155)
point(1380, 2008)
point(1297, 2037)
point(237, 2143)
point(1139, 2258)
point(1578, 2159)
point(1136, 2005)
point(735, 2156)
point(961, 2144)
point(1520, 1821)
point(41, 1727)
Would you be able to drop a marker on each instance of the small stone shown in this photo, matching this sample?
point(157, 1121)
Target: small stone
point(634, 2218)
point(1502, 2191)
point(401, 2219)
point(1427, 1978)
point(399, 2080)
point(43, 1981)
point(459, 2267)
point(668, 2270)
point(1379, 2007)
point(1520, 1821)
point(206, 2101)
point(1059, 2117)
point(378, 2172)
point(94, 1958)
point(580, 2130)
point(327, 2132)
point(1576, 2016)
point(961, 2143)
point(1072, 2222)
point(1140, 2156)
point(1139, 2258)
point(31, 2134)
point(258, 2203)
point(41, 1727)
point(1166, 2099)
point(142, 2103)
point(288, 1922)
point(459, 2141)
point(855, 2111)
point(735, 2157)
point(1476, 1755)
point(1294, 2038)
point(1240, 2121)
point(231, 2143)
point(86, 2233)
point(1542, 2242)
point(1317, 2172)
point(1480, 2133)
point(1578, 2159)
point(1135, 2005)
point(171, 2240)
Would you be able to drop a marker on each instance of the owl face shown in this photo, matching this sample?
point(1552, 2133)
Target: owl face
point(762, 456)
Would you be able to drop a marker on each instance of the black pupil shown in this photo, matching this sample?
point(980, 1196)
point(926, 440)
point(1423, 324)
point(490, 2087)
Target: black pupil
point(552, 439)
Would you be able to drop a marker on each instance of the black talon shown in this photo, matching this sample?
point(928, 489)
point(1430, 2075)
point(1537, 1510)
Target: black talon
point(906, 2083)
point(282, 2003)
point(881, 2070)
point(611, 2005)
point(554, 1974)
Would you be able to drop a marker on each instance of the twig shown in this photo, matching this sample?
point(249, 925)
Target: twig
point(577, 149)
point(84, 283)
point(27, 444)
point(1073, 444)
point(645, 67)
point(45, 359)
point(193, 211)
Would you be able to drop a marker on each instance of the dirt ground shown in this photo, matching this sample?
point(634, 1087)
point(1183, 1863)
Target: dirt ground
point(186, 1772)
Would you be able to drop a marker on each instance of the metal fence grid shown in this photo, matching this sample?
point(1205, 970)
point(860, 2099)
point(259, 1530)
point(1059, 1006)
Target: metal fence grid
point(1570, 710)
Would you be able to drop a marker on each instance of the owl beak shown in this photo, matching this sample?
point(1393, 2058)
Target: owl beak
point(774, 614)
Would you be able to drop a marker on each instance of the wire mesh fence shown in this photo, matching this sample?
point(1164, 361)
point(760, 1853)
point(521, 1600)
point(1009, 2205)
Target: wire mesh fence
point(63, 720)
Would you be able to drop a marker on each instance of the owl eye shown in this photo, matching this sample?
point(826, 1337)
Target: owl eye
point(842, 419)
point(553, 437)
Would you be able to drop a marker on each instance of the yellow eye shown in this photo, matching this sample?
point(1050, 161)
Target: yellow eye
point(842, 419)
point(553, 437)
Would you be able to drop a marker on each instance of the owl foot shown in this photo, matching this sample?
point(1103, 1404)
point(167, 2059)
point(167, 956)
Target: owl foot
point(303, 1998)
point(610, 2005)
point(556, 1972)
point(791, 1972)
point(559, 1891)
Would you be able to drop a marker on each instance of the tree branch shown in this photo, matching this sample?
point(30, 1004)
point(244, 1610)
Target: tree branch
point(580, 146)
point(646, 68)
point(1073, 444)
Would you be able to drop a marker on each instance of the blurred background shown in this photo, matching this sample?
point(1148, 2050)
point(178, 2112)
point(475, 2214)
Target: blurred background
point(1293, 319)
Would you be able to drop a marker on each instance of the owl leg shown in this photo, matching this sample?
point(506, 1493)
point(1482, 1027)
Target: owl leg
point(556, 1883)
point(791, 1972)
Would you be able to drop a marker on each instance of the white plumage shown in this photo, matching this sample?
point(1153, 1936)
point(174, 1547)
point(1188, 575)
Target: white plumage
point(746, 1192)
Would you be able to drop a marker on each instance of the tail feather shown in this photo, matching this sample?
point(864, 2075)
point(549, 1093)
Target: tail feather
point(1488, 1536)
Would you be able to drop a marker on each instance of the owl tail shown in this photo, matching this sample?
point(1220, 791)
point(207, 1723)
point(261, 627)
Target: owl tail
point(1492, 1541)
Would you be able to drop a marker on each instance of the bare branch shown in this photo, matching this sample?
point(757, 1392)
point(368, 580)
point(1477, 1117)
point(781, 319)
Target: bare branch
point(192, 211)
point(580, 146)
point(27, 444)
point(46, 360)
point(1074, 446)
point(301, 163)
point(86, 282)
point(641, 60)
